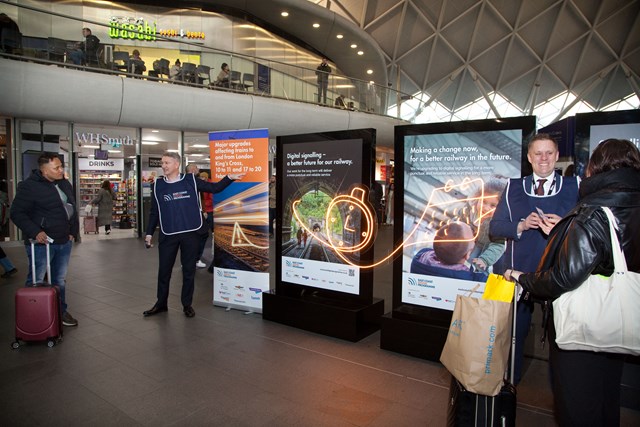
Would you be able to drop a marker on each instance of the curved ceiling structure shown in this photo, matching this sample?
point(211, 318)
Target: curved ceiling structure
point(457, 53)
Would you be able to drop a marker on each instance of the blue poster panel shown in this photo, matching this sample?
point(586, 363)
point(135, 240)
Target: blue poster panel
point(451, 183)
point(241, 236)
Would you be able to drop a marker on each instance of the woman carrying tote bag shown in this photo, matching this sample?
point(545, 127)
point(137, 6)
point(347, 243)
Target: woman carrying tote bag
point(586, 384)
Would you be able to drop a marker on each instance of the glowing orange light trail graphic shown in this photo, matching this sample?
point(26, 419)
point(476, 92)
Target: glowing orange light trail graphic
point(357, 197)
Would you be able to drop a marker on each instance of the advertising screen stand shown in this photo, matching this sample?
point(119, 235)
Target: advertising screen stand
point(448, 180)
point(325, 228)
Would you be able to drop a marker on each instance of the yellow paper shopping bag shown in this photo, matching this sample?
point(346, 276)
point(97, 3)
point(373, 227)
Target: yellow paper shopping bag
point(498, 288)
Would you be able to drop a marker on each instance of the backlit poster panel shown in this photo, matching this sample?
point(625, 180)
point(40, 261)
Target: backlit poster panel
point(240, 212)
point(451, 185)
point(323, 201)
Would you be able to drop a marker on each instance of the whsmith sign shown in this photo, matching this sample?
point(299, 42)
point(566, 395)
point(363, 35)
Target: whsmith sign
point(141, 29)
point(103, 138)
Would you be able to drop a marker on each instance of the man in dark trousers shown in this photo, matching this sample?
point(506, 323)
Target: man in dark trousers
point(177, 210)
point(87, 50)
point(44, 208)
point(528, 209)
point(322, 73)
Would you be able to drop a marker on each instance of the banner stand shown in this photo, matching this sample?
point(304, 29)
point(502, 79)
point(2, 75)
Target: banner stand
point(347, 320)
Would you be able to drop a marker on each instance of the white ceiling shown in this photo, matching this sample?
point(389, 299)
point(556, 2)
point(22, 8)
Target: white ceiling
point(460, 51)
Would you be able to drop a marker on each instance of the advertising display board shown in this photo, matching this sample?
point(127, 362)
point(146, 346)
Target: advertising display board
point(447, 183)
point(593, 128)
point(240, 215)
point(323, 192)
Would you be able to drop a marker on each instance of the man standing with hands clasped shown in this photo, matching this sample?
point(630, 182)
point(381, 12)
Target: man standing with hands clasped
point(527, 211)
point(177, 210)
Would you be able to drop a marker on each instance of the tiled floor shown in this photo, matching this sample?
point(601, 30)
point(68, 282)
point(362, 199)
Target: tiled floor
point(220, 368)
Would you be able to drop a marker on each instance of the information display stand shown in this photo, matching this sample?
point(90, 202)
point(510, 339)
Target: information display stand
point(325, 227)
point(449, 177)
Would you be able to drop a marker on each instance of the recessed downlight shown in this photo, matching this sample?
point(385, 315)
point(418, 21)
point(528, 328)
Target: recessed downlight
point(284, 14)
point(369, 71)
point(360, 52)
point(316, 25)
point(339, 36)
point(353, 46)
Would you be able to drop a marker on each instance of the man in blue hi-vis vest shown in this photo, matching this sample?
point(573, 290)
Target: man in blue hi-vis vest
point(178, 211)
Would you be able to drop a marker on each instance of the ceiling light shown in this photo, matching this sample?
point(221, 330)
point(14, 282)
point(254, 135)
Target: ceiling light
point(173, 151)
point(149, 143)
point(285, 14)
point(199, 146)
point(369, 71)
point(90, 146)
point(353, 46)
point(372, 82)
point(360, 52)
point(196, 155)
point(155, 131)
point(316, 25)
point(339, 36)
point(114, 151)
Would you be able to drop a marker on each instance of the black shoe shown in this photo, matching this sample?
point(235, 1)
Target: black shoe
point(9, 273)
point(154, 310)
point(189, 311)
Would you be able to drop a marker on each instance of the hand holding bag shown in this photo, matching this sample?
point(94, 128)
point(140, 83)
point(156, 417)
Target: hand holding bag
point(477, 348)
point(603, 313)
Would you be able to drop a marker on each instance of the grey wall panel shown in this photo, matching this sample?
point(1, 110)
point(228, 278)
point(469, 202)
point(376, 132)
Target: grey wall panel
point(52, 93)
point(43, 92)
point(173, 106)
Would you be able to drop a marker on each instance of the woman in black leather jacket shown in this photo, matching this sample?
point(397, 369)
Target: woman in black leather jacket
point(586, 385)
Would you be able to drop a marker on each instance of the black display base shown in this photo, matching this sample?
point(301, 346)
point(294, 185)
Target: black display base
point(413, 338)
point(340, 319)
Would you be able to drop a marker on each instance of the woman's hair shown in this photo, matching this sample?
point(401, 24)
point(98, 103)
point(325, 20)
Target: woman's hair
point(613, 154)
point(223, 66)
point(106, 185)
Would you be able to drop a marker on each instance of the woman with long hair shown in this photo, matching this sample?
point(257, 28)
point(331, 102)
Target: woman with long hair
point(586, 384)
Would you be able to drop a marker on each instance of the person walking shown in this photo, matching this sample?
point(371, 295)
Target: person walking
point(176, 208)
point(193, 168)
point(527, 209)
point(104, 200)
point(44, 208)
point(586, 384)
point(272, 203)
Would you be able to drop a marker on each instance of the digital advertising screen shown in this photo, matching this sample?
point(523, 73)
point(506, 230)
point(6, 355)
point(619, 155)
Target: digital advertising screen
point(325, 221)
point(593, 128)
point(451, 179)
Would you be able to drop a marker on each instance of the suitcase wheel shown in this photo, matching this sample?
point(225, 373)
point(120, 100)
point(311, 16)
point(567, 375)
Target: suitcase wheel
point(50, 343)
point(15, 345)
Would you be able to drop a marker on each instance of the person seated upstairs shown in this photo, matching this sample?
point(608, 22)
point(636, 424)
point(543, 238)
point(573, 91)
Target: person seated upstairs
point(136, 64)
point(223, 77)
point(340, 101)
point(87, 50)
point(452, 246)
point(175, 72)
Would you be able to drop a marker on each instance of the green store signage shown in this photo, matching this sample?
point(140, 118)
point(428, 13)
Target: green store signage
point(129, 28)
point(141, 29)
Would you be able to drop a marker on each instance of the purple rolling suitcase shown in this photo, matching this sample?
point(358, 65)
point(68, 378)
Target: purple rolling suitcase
point(38, 316)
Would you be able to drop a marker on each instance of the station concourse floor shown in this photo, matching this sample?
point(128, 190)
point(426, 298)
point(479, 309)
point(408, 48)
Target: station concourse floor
point(220, 368)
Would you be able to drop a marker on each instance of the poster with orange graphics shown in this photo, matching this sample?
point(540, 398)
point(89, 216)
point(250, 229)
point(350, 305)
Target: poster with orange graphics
point(240, 218)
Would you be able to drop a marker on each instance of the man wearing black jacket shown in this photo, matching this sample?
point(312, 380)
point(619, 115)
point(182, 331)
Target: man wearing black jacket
point(44, 208)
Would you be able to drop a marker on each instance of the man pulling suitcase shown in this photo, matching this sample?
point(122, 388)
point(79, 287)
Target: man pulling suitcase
point(44, 208)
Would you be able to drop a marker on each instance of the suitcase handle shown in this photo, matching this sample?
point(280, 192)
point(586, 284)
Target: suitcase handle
point(33, 262)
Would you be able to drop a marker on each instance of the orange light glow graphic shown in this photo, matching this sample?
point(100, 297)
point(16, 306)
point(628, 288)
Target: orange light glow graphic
point(449, 210)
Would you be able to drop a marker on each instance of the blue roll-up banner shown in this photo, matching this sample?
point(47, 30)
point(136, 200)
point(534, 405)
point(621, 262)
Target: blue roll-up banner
point(241, 212)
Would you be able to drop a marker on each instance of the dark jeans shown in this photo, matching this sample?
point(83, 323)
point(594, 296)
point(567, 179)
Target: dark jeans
point(322, 91)
point(168, 246)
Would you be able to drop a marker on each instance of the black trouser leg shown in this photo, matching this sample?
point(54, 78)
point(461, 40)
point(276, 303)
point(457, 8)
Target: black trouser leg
point(167, 250)
point(189, 246)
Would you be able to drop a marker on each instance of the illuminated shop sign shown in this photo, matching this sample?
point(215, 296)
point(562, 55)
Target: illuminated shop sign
point(141, 29)
point(103, 139)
